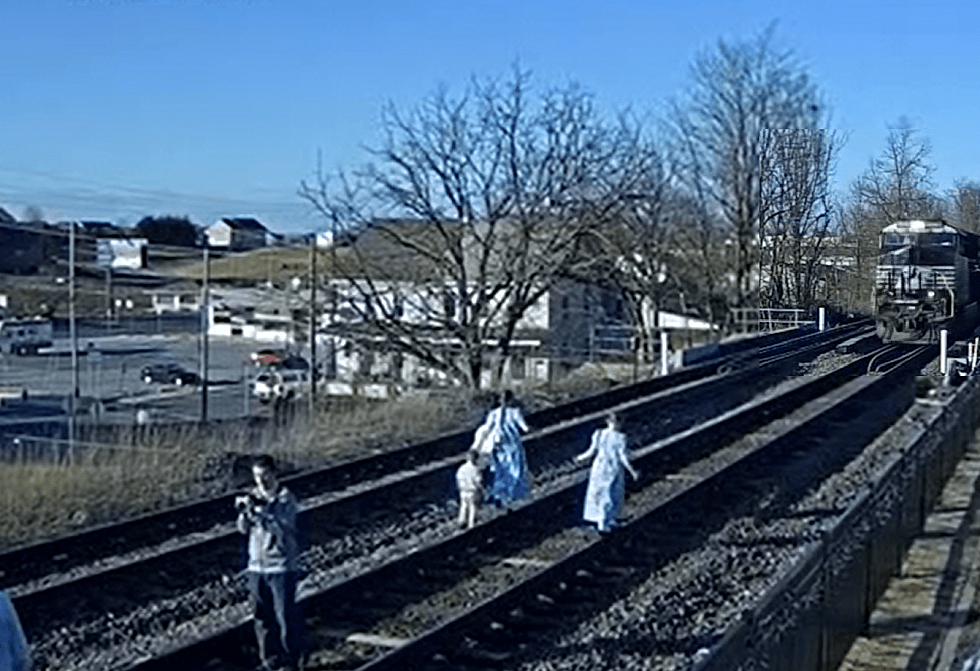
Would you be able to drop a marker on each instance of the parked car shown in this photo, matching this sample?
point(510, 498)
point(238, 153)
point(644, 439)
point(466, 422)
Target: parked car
point(25, 336)
point(279, 358)
point(169, 373)
point(268, 357)
point(295, 362)
point(280, 384)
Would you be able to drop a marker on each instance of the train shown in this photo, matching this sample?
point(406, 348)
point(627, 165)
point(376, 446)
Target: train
point(927, 280)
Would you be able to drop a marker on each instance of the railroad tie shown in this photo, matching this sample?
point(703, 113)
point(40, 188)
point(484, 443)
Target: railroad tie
point(376, 640)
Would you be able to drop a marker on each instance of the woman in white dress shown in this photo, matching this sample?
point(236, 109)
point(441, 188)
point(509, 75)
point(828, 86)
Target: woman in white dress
point(607, 484)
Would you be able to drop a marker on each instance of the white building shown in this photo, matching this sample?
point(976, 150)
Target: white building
point(175, 301)
point(121, 253)
point(556, 334)
point(237, 234)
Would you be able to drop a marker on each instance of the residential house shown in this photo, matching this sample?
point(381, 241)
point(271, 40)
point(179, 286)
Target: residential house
point(238, 234)
point(121, 253)
point(88, 236)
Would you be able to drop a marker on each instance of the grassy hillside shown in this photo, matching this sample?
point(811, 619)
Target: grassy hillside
point(270, 263)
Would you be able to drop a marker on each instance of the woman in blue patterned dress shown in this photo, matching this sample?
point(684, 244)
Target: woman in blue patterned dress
point(509, 476)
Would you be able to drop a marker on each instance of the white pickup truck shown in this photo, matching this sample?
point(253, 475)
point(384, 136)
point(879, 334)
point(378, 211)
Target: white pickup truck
point(271, 385)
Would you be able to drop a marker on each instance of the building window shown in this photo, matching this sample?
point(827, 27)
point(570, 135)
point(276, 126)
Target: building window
point(517, 364)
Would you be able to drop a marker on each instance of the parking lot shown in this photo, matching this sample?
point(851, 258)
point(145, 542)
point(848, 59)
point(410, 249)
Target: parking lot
point(109, 371)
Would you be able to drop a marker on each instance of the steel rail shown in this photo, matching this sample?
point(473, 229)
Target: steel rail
point(35, 561)
point(658, 458)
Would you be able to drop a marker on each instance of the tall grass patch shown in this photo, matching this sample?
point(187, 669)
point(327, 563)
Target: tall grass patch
point(48, 492)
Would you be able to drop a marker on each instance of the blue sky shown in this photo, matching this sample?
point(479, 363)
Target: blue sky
point(117, 109)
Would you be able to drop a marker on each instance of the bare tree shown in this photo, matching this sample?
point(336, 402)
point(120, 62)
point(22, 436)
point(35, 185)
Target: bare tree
point(700, 236)
point(898, 184)
point(858, 242)
point(492, 192)
point(738, 91)
point(965, 205)
point(796, 213)
point(634, 250)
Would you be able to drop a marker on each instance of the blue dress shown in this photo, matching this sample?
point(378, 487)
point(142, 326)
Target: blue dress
point(509, 477)
point(607, 482)
point(15, 654)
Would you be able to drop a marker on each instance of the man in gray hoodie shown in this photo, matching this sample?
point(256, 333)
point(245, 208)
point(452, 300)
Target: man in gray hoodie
point(267, 514)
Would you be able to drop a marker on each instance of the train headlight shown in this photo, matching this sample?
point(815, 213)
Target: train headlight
point(930, 294)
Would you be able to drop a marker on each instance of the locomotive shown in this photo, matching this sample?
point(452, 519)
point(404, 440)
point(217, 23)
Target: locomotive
point(927, 279)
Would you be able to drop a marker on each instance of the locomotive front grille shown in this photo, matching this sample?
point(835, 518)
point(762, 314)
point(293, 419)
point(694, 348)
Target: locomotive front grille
point(904, 280)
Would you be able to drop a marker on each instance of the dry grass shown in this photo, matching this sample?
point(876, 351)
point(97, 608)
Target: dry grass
point(46, 495)
point(107, 483)
point(259, 264)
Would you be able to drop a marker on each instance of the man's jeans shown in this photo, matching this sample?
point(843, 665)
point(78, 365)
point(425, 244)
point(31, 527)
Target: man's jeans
point(278, 627)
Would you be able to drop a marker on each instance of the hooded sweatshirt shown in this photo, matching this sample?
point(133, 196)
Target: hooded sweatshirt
point(271, 530)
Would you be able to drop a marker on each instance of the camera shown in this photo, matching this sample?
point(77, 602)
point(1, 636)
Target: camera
point(245, 501)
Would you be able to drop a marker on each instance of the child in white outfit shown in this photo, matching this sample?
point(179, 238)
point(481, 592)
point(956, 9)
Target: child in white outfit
point(470, 485)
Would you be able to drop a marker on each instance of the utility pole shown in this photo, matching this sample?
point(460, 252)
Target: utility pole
point(205, 323)
point(312, 325)
point(108, 298)
point(73, 336)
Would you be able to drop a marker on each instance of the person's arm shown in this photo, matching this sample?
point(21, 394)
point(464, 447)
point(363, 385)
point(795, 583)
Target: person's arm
point(244, 523)
point(283, 520)
point(246, 516)
point(481, 439)
point(521, 422)
point(473, 480)
point(625, 458)
point(593, 448)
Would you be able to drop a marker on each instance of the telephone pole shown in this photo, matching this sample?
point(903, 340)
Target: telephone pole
point(205, 323)
point(73, 336)
point(312, 325)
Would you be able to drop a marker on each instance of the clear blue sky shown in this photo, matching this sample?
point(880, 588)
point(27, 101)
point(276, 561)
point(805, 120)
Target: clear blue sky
point(117, 109)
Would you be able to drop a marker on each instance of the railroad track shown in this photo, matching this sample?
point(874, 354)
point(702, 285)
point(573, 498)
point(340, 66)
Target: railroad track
point(501, 585)
point(37, 561)
point(172, 570)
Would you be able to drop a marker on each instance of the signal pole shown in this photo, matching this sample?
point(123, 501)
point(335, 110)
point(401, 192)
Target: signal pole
point(205, 323)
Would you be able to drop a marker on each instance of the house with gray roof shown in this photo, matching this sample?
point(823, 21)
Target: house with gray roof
point(238, 234)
